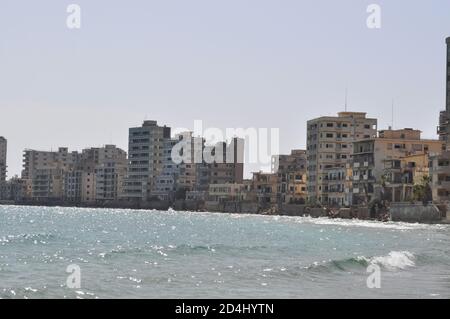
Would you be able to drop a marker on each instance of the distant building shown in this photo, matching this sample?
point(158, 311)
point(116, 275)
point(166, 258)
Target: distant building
point(33, 160)
point(439, 164)
point(291, 171)
point(3, 151)
point(229, 169)
point(166, 182)
point(145, 160)
point(43, 172)
point(193, 172)
point(13, 189)
point(74, 177)
point(389, 163)
point(264, 189)
point(227, 192)
point(207, 165)
point(329, 146)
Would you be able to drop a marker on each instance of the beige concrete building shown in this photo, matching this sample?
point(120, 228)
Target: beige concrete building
point(3, 151)
point(329, 146)
point(229, 169)
point(227, 192)
point(145, 163)
point(33, 159)
point(291, 171)
point(440, 177)
point(392, 162)
point(166, 183)
point(43, 172)
point(264, 188)
point(72, 176)
point(210, 164)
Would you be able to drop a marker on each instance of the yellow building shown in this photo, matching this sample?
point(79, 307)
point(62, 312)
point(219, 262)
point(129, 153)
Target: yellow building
point(394, 160)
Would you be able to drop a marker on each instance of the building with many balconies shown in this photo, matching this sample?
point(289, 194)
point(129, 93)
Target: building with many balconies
point(389, 163)
point(329, 146)
point(145, 160)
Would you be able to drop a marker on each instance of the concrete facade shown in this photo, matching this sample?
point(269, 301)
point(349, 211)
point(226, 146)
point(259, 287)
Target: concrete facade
point(396, 159)
point(3, 153)
point(291, 171)
point(145, 162)
point(329, 146)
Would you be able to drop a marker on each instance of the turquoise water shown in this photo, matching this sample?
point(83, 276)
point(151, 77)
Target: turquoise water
point(154, 254)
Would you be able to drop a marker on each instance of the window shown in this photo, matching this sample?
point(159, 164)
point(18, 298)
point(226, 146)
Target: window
point(417, 147)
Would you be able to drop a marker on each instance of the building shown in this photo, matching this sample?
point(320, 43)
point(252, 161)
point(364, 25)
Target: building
point(145, 162)
point(264, 189)
point(207, 165)
point(109, 173)
point(193, 171)
point(228, 167)
point(166, 183)
point(74, 177)
point(440, 177)
point(43, 172)
point(3, 150)
point(439, 163)
point(389, 164)
point(329, 146)
point(48, 184)
point(220, 193)
point(291, 171)
point(12, 190)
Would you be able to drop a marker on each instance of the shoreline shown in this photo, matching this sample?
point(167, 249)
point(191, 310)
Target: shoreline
point(203, 210)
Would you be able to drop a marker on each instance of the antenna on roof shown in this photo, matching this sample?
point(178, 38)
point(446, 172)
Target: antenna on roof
point(392, 113)
point(346, 98)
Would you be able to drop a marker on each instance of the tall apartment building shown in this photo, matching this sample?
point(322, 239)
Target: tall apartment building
point(440, 163)
point(329, 146)
point(291, 172)
point(108, 170)
point(228, 168)
point(3, 149)
point(43, 172)
point(74, 177)
point(389, 163)
point(444, 118)
point(221, 163)
point(145, 159)
point(192, 170)
point(166, 183)
point(34, 160)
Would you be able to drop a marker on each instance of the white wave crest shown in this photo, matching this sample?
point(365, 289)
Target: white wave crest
point(394, 260)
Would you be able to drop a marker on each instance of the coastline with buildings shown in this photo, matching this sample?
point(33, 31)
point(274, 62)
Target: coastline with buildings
point(349, 169)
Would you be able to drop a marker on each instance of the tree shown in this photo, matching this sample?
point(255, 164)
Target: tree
point(422, 190)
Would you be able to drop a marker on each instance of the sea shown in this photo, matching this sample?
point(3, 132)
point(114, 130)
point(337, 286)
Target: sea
point(56, 252)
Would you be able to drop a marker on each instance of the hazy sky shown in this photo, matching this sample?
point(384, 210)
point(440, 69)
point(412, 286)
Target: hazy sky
point(233, 63)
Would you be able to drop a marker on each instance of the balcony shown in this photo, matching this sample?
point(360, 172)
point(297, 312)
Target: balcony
point(444, 184)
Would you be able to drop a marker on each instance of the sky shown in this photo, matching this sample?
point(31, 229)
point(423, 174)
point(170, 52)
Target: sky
point(231, 64)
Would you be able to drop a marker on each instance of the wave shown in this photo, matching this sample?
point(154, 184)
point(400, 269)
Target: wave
point(182, 249)
point(23, 238)
point(395, 260)
point(366, 223)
